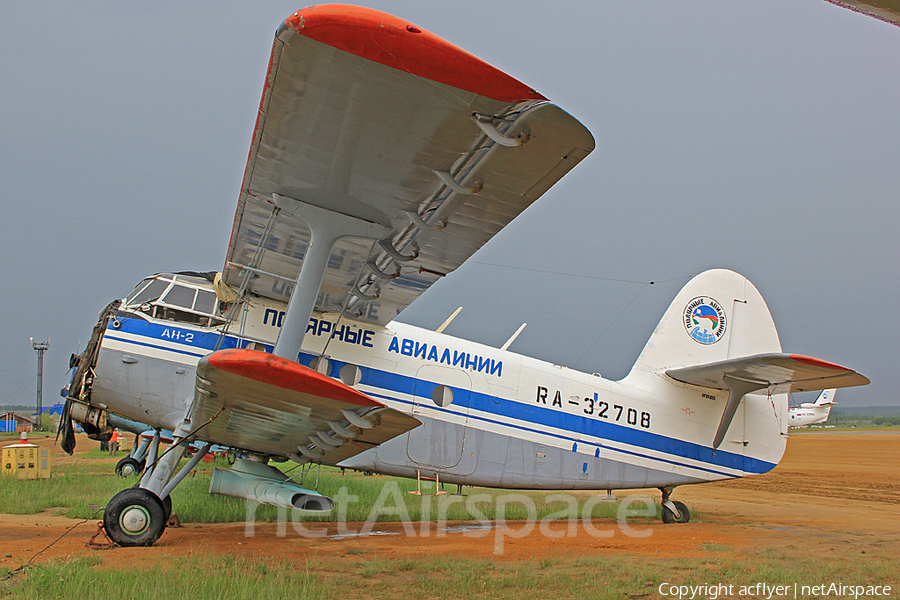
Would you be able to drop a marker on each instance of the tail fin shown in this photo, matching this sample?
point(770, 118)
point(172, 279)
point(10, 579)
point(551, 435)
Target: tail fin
point(718, 315)
point(718, 334)
point(716, 319)
point(826, 398)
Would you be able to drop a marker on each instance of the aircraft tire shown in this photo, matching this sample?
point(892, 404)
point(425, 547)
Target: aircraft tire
point(669, 517)
point(128, 467)
point(135, 517)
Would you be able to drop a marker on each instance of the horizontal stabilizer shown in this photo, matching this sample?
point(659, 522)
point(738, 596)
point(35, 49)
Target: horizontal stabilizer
point(779, 373)
point(776, 373)
point(269, 405)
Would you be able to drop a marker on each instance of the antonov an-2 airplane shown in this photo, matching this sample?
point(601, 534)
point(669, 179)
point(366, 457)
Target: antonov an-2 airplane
point(382, 158)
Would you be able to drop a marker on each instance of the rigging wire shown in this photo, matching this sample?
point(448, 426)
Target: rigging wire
point(18, 367)
point(22, 568)
point(346, 302)
point(613, 322)
point(31, 382)
point(643, 286)
point(578, 275)
point(248, 275)
point(622, 312)
point(594, 277)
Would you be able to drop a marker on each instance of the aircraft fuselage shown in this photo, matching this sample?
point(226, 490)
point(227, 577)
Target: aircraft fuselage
point(511, 421)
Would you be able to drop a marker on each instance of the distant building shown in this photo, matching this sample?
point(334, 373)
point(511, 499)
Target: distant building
point(11, 422)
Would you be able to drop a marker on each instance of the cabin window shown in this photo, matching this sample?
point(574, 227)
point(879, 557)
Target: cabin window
point(442, 395)
point(321, 364)
point(350, 375)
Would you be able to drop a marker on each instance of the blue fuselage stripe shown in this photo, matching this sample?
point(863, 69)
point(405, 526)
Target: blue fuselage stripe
point(499, 407)
point(155, 346)
point(562, 437)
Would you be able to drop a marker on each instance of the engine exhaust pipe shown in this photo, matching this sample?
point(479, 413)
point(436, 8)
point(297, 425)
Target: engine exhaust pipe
point(263, 483)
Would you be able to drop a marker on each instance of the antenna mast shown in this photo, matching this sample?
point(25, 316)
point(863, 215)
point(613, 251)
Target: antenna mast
point(40, 348)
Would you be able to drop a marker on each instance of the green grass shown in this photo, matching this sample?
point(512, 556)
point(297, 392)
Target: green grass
point(559, 577)
point(192, 577)
point(73, 488)
point(715, 548)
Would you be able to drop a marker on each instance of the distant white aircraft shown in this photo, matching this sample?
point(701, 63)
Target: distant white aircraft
point(383, 157)
point(810, 413)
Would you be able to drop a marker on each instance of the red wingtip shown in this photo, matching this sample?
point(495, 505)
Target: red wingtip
point(399, 44)
point(818, 362)
point(277, 371)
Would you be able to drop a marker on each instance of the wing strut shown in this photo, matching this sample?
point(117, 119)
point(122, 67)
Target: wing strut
point(737, 389)
point(325, 228)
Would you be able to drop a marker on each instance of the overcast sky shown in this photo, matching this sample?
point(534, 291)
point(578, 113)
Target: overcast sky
point(758, 136)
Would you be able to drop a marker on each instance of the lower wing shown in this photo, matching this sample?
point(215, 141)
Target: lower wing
point(262, 403)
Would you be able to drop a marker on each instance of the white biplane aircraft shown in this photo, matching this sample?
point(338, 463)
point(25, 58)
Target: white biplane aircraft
point(382, 158)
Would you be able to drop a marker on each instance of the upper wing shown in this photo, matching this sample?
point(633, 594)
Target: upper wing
point(778, 372)
point(884, 10)
point(367, 115)
point(260, 402)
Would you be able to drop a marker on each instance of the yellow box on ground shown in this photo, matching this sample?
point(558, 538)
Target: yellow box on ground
point(25, 460)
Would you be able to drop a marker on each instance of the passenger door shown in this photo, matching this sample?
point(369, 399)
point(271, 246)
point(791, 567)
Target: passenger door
point(442, 404)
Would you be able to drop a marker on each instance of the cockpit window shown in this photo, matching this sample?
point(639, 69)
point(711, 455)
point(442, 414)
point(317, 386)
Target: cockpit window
point(135, 291)
point(150, 292)
point(178, 298)
point(205, 303)
point(180, 295)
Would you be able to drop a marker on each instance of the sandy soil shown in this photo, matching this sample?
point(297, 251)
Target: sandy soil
point(831, 489)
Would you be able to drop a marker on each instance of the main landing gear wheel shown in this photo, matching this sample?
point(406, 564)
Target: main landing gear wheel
point(135, 517)
point(683, 516)
point(128, 466)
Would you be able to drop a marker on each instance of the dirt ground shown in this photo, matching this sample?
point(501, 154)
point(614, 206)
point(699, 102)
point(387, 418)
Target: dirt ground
point(832, 489)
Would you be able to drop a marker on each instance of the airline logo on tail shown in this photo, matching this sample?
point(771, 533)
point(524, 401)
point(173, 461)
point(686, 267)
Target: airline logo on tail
point(704, 320)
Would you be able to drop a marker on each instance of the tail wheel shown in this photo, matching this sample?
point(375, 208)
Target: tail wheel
point(135, 517)
point(683, 516)
point(128, 467)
